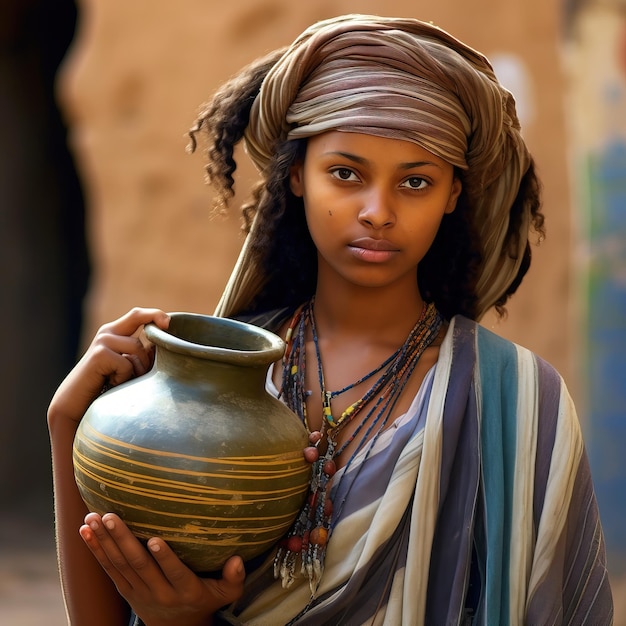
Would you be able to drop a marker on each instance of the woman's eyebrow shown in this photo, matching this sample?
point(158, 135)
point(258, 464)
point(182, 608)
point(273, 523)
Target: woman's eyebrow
point(348, 155)
point(364, 161)
point(412, 164)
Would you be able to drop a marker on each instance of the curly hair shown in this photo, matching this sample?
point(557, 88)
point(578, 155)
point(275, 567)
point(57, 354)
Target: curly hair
point(448, 273)
point(282, 247)
point(528, 198)
point(224, 119)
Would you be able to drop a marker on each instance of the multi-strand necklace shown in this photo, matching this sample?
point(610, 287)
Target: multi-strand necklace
point(307, 539)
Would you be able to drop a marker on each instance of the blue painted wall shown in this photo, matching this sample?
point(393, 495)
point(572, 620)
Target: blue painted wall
point(606, 342)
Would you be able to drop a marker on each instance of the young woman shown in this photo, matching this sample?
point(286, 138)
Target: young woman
point(394, 206)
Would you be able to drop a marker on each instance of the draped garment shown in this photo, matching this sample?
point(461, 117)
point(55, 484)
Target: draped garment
point(486, 516)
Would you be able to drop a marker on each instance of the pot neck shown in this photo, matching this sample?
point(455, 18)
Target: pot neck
point(194, 370)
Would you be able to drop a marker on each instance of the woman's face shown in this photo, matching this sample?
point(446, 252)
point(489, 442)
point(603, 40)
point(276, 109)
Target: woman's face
point(373, 205)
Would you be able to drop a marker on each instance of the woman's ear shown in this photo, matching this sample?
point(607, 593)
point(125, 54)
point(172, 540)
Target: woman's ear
point(296, 179)
point(455, 192)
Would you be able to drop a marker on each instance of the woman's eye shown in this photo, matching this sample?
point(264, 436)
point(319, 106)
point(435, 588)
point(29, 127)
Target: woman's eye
point(415, 182)
point(344, 173)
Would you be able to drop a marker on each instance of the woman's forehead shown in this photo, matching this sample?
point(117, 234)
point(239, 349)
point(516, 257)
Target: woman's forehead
point(366, 147)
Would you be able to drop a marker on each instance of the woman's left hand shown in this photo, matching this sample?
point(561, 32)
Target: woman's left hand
point(159, 587)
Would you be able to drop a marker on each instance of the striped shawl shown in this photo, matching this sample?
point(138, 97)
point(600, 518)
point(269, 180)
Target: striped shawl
point(487, 516)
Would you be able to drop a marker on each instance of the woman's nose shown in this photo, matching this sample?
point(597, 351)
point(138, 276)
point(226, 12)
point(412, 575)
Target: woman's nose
point(377, 210)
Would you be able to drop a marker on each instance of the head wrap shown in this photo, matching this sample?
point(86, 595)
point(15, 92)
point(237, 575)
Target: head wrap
point(404, 79)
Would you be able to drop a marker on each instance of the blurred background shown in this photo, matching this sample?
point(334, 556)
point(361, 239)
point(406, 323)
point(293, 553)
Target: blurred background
point(102, 209)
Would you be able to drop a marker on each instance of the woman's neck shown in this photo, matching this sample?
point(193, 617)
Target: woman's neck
point(386, 313)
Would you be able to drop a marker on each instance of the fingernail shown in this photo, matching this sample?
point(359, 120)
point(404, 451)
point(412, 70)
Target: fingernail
point(110, 524)
point(154, 546)
point(93, 525)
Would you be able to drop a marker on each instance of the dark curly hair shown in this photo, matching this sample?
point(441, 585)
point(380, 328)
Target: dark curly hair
point(448, 273)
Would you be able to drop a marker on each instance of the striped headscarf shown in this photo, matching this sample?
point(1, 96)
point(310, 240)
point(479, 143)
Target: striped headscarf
point(405, 79)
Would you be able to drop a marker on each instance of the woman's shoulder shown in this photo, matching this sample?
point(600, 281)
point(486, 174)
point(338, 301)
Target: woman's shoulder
point(489, 345)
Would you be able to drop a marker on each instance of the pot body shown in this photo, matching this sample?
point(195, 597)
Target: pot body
point(196, 451)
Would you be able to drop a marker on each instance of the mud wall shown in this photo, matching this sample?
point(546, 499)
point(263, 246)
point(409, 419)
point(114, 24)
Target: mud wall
point(130, 90)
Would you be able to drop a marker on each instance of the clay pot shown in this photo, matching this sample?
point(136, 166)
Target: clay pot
point(196, 451)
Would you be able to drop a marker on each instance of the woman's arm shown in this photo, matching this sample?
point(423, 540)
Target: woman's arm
point(90, 595)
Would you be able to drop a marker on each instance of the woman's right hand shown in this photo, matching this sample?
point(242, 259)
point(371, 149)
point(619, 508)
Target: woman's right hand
point(116, 354)
point(159, 587)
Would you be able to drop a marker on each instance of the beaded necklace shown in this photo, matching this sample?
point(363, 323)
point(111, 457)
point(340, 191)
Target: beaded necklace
point(309, 534)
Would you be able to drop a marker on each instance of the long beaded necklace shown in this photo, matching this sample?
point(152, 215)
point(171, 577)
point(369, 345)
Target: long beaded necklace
point(307, 539)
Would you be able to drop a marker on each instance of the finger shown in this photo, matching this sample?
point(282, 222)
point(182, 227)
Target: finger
point(124, 551)
point(126, 336)
point(174, 570)
point(233, 571)
point(230, 587)
point(122, 345)
point(120, 366)
point(119, 358)
point(140, 366)
point(120, 337)
point(98, 366)
point(88, 535)
point(104, 362)
point(132, 321)
point(183, 581)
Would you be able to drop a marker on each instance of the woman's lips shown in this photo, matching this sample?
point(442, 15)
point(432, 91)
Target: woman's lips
point(372, 250)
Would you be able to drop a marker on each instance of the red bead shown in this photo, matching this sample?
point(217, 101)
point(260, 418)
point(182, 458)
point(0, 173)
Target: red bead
point(294, 544)
point(311, 454)
point(315, 436)
point(329, 468)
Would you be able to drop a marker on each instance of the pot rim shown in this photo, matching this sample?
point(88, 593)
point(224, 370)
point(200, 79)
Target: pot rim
point(272, 350)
